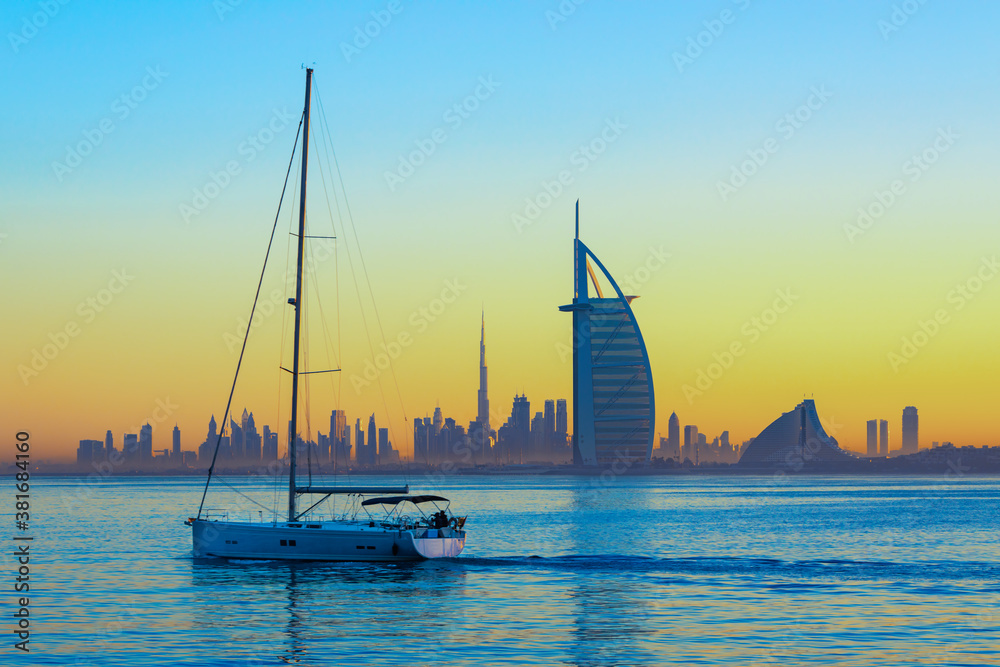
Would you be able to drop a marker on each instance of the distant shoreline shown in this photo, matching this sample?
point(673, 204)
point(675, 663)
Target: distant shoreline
point(948, 461)
point(568, 471)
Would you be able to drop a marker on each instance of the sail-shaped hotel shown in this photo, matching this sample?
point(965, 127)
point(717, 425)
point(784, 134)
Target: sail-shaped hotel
point(613, 405)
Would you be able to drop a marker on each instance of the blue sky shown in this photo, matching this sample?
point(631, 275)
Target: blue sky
point(223, 74)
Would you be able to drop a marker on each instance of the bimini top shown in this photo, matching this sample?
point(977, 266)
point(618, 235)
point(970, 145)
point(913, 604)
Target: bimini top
point(395, 500)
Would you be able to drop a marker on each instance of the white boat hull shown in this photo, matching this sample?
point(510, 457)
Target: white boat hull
point(322, 541)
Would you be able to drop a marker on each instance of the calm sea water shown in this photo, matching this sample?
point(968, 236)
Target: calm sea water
point(557, 571)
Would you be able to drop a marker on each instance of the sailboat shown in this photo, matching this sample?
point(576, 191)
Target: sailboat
point(387, 523)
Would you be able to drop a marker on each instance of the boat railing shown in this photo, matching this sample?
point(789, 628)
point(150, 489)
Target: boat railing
point(249, 516)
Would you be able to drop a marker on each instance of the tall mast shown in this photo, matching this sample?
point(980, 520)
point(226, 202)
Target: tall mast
point(297, 304)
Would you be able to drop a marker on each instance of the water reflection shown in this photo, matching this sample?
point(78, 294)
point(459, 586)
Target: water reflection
point(286, 609)
point(612, 622)
point(821, 571)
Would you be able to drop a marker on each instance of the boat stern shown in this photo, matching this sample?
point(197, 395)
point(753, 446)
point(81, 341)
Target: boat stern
point(438, 542)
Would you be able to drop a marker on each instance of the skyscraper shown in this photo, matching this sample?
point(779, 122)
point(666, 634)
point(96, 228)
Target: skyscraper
point(384, 446)
point(109, 444)
point(130, 447)
point(674, 437)
point(483, 400)
point(613, 400)
point(338, 420)
point(146, 442)
point(359, 443)
point(520, 419)
point(251, 439)
point(872, 448)
point(562, 422)
point(433, 451)
point(438, 420)
point(270, 445)
point(207, 449)
point(177, 444)
point(420, 454)
point(371, 449)
point(883, 437)
point(910, 422)
point(237, 439)
point(345, 443)
point(690, 442)
point(88, 451)
point(550, 425)
point(538, 447)
point(514, 437)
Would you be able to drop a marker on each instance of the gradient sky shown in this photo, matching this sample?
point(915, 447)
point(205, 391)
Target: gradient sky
point(222, 75)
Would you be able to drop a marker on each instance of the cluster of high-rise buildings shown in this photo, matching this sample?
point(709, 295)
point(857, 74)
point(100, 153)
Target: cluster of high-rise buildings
point(695, 446)
point(613, 406)
point(340, 445)
point(521, 439)
point(613, 416)
point(243, 444)
point(878, 436)
point(372, 446)
point(612, 409)
point(137, 450)
point(246, 445)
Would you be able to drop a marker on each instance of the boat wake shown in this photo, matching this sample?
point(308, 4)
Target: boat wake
point(771, 568)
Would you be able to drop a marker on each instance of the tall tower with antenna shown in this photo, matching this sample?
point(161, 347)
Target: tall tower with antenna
point(483, 414)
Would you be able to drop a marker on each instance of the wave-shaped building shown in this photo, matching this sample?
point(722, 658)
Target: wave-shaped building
point(613, 403)
point(795, 441)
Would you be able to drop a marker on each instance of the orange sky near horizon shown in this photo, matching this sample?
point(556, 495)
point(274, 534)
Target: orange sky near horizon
point(809, 191)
